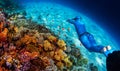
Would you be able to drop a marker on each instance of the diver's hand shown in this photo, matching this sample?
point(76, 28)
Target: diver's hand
point(68, 20)
point(71, 21)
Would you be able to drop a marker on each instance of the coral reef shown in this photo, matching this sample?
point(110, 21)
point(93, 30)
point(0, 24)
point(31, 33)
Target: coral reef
point(27, 49)
point(28, 46)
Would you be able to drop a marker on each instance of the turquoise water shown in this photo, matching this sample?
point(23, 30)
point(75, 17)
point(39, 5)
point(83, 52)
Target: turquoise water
point(53, 16)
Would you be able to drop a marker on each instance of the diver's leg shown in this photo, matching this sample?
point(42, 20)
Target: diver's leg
point(97, 48)
point(85, 41)
point(107, 50)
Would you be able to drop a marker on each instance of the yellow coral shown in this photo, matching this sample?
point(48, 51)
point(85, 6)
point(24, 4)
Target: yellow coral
point(52, 38)
point(61, 44)
point(51, 53)
point(47, 45)
point(15, 29)
point(60, 52)
point(59, 55)
point(60, 65)
point(68, 63)
point(9, 59)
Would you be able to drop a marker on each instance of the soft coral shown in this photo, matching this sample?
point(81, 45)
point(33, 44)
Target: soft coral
point(3, 35)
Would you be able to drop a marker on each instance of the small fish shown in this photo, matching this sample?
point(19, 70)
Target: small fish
point(63, 28)
point(68, 29)
point(58, 27)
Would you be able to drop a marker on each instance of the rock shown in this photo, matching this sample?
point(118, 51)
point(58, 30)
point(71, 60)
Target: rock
point(68, 49)
point(20, 16)
point(92, 67)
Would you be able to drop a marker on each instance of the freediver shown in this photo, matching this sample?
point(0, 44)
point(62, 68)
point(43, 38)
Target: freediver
point(87, 39)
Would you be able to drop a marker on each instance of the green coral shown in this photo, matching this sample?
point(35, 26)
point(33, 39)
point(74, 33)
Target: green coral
point(82, 61)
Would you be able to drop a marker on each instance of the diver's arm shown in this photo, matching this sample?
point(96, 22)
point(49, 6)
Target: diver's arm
point(71, 21)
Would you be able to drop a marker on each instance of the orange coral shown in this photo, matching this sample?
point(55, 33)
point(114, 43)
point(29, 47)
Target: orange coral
point(1, 69)
point(57, 57)
point(34, 54)
point(28, 39)
point(1, 26)
point(31, 48)
point(3, 35)
point(15, 29)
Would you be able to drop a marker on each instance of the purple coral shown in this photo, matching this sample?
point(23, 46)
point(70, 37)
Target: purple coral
point(25, 66)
